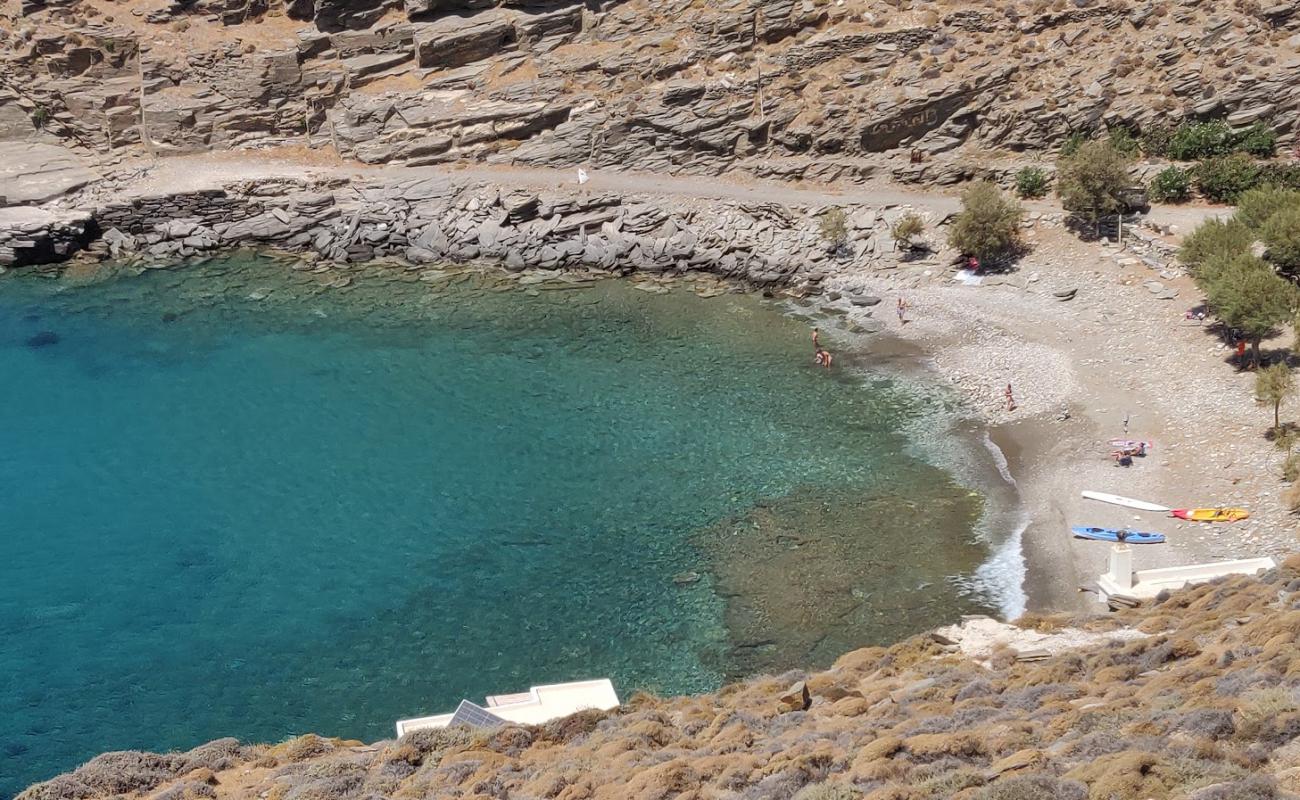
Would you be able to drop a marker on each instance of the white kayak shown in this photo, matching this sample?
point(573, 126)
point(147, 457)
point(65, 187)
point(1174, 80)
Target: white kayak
point(1127, 502)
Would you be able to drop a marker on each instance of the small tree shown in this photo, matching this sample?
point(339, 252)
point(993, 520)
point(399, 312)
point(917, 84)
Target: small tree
point(1031, 182)
point(1171, 185)
point(988, 225)
point(1248, 295)
point(1214, 239)
point(1281, 234)
point(1273, 386)
point(1254, 207)
point(835, 230)
point(906, 228)
point(1091, 182)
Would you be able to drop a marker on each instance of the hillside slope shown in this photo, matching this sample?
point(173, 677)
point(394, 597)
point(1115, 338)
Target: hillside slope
point(1195, 696)
point(777, 88)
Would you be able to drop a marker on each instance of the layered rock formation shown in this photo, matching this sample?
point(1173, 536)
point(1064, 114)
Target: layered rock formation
point(1194, 696)
point(438, 219)
point(778, 88)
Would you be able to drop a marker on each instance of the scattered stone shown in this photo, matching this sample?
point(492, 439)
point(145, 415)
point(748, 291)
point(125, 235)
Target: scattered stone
point(686, 578)
point(796, 698)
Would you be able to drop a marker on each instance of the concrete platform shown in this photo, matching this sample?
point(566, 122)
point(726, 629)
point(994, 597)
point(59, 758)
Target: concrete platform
point(538, 705)
point(1122, 581)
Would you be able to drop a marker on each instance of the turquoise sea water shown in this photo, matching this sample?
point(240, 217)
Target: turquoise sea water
point(235, 502)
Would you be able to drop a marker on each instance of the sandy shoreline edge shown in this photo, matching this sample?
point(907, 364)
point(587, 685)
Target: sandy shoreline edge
point(1113, 361)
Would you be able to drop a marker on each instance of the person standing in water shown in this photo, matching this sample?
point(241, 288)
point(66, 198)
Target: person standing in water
point(817, 345)
point(822, 358)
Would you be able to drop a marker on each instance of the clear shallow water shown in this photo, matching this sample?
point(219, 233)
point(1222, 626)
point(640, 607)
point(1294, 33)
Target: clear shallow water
point(323, 510)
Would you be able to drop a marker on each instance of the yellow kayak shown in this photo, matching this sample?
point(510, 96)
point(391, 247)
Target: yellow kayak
point(1211, 514)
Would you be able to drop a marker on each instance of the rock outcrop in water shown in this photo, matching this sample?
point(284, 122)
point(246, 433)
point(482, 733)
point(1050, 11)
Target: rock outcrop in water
point(777, 88)
point(1196, 696)
point(431, 220)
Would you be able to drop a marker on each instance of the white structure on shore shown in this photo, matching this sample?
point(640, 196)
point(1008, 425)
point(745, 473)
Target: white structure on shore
point(1122, 581)
point(537, 705)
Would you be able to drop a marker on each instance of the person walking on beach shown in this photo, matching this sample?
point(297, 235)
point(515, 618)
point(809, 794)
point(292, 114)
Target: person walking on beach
point(1011, 399)
point(902, 311)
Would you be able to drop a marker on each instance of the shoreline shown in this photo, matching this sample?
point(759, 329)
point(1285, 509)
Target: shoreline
point(1090, 355)
point(1079, 368)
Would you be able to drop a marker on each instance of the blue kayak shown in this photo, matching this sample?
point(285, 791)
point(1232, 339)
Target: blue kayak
point(1112, 535)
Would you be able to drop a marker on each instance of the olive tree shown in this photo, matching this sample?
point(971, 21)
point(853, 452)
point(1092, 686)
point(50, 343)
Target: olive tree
point(1092, 181)
point(988, 226)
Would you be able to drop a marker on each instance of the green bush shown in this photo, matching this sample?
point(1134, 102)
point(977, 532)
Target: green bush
point(1282, 175)
point(834, 228)
point(1031, 182)
point(1155, 141)
point(1281, 234)
point(1072, 143)
point(1257, 140)
point(1257, 205)
point(1225, 178)
point(988, 225)
point(1195, 140)
point(1124, 142)
point(1171, 185)
point(907, 228)
point(1215, 239)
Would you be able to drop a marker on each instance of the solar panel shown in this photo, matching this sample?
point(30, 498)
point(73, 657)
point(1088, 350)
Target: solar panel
point(475, 716)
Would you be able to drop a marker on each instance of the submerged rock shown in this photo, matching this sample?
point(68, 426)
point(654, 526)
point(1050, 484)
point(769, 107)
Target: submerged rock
point(43, 339)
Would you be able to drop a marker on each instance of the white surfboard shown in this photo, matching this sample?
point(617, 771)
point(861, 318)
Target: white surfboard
point(1127, 502)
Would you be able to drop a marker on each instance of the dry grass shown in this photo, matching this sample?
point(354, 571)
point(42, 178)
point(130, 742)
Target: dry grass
point(1207, 709)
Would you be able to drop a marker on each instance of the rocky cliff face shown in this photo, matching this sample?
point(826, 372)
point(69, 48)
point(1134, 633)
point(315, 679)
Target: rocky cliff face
point(778, 88)
point(1193, 697)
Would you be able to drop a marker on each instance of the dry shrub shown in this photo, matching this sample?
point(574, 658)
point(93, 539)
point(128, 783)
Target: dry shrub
point(828, 791)
point(929, 746)
point(1043, 623)
point(301, 748)
point(883, 747)
point(1033, 787)
point(1256, 787)
point(948, 783)
point(1209, 723)
point(1259, 707)
point(562, 731)
point(859, 661)
point(1124, 775)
